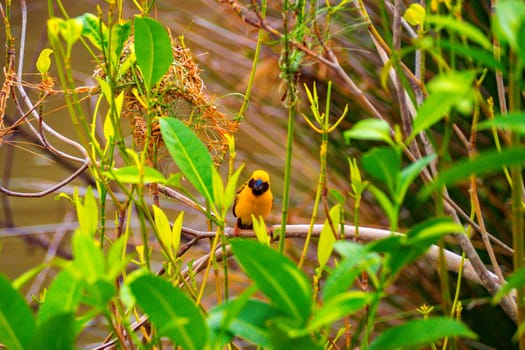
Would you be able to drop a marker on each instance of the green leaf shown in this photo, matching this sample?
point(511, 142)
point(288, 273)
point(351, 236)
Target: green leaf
point(95, 30)
point(429, 231)
point(57, 333)
point(462, 28)
point(357, 258)
point(276, 276)
point(173, 313)
point(397, 254)
point(409, 174)
point(338, 307)
point(62, 297)
point(417, 333)
point(99, 293)
point(453, 89)
point(514, 122)
point(327, 236)
point(385, 203)
point(88, 259)
point(116, 258)
point(516, 280)
point(250, 323)
point(401, 250)
point(384, 164)
point(133, 175)
point(190, 155)
point(484, 163)
point(484, 57)
point(153, 50)
point(17, 324)
point(509, 18)
point(283, 336)
point(370, 129)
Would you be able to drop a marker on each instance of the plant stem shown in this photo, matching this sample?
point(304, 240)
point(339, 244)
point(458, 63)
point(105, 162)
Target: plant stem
point(518, 240)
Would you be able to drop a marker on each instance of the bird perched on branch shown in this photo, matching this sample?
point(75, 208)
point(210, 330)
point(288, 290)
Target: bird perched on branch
point(255, 198)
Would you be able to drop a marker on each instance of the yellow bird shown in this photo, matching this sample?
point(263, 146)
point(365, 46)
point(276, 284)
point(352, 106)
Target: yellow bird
point(253, 197)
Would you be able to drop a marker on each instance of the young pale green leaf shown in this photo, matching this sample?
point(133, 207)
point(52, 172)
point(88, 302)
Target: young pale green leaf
point(218, 188)
point(462, 28)
point(516, 280)
point(87, 213)
point(259, 227)
point(514, 122)
point(173, 313)
point(57, 333)
point(109, 130)
point(338, 307)
point(28, 275)
point(88, 260)
point(153, 50)
point(371, 130)
point(119, 35)
point(384, 164)
point(483, 164)
point(164, 229)
point(231, 187)
point(116, 259)
point(415, 14)
point(44, 62)
point(71, 30)
point(176, 232)
point(276, 276)
point(17, 324)
point(190, 155)
point(133, 175)
point(90, 212)
point(357, 259)
point(53, 29)
point(327, 236)
point(95, 30)
point(62, 297)
point(416, 333)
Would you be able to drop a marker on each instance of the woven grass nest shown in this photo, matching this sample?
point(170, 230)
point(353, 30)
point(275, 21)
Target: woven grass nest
point(179, 94)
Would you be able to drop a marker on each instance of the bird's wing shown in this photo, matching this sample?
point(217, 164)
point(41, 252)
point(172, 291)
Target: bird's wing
point(237, 197)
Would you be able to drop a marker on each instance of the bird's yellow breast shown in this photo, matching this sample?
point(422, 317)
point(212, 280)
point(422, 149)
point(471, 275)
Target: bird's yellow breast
point(251, 201)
